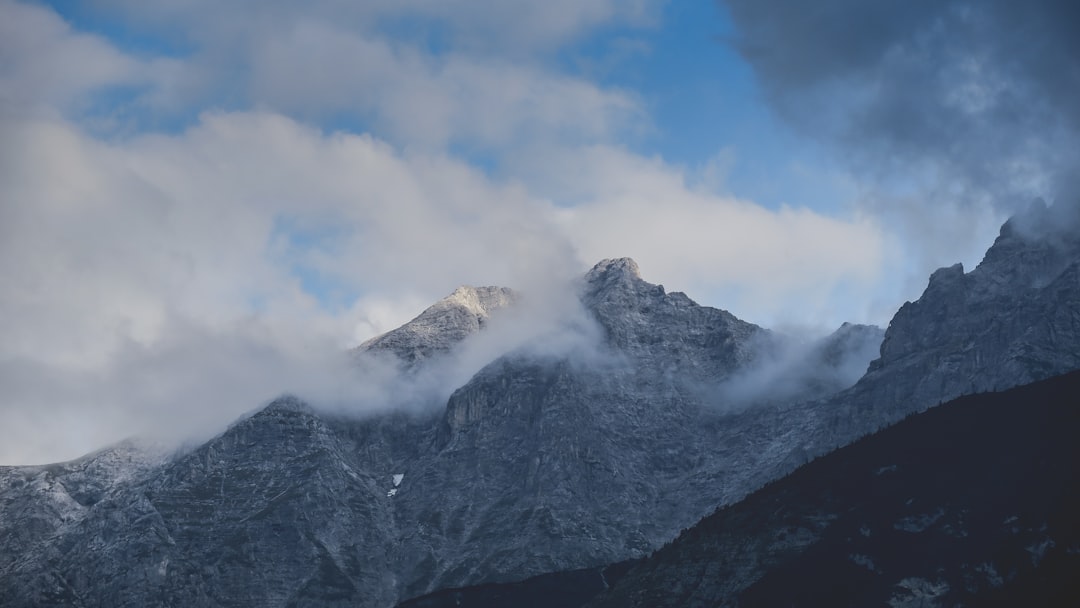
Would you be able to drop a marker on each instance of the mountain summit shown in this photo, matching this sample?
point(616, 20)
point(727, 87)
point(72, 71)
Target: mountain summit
point(443, 325)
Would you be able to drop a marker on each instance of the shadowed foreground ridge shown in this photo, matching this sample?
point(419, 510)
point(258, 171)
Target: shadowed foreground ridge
point(973, 503)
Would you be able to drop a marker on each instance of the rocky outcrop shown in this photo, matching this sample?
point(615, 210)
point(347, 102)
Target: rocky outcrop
point(1012, 320)
point(442, 325)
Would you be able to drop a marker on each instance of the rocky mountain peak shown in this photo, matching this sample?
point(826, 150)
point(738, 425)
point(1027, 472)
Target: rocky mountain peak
point(618, 282)
point(1010, 321)
point(1035, 245)
point(945, 278)
point(443, 324)
point(614, 279)
point(614, 269)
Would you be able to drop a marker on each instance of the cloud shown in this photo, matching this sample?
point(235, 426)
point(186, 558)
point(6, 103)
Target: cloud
point(944, 110)
point(428, 75)
point(187, 384)
point(107, 249)
point(982, 93)
point(764, 265)
point(43, 62)
point(317, 69)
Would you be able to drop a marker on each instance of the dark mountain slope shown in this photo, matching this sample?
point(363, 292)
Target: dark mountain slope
point(973, 503)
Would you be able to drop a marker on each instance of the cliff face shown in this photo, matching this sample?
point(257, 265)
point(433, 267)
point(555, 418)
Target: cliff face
point(537, 463)
point(1012, 320)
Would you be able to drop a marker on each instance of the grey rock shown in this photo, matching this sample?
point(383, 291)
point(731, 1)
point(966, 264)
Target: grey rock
point(1013, 320)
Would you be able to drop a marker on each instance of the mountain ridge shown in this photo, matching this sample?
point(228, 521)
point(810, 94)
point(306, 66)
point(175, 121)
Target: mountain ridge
point(537, 463)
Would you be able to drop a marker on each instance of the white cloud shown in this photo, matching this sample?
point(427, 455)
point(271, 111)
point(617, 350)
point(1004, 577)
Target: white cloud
point(163, 280)
point(112, 250)
point(490, 87)
point(317, 69)
point(44, 62)
point(772, 265)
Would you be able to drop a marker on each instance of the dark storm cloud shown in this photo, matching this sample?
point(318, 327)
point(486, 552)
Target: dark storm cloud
point(980, 98)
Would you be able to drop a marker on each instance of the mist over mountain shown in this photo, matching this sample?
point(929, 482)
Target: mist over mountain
point(535, 463)
point(592, 437)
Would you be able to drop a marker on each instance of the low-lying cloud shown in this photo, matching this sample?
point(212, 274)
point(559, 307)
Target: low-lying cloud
point(800, 365)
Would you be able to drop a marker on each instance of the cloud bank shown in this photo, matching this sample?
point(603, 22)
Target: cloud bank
point(185, 234)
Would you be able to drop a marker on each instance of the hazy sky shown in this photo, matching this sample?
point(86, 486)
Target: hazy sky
point(200, 200)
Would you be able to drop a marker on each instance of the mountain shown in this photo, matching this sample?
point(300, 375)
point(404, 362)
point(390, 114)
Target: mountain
point(975, 503)
point(1012, 320)
point(640, 416)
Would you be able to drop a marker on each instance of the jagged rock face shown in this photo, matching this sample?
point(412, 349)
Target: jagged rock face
point(257, 516)
point(666, 330)
point(280, 510)
point(553, 449)
point(1012, 320)
point(442, 325)
point(571, 464)
point(40, 503)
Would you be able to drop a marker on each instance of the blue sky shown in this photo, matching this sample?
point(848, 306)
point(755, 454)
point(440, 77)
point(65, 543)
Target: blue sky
point(216, 191)
point(699, 95)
